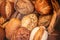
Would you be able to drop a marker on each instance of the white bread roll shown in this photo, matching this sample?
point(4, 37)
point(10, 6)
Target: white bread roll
point(39, 33)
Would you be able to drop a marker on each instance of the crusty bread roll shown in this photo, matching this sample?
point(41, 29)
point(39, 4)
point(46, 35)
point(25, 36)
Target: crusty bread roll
point(39, 33)
point(12, 25)
point(43, 6)
point(29, 21)
point(6, 9)
point(24, 6)
point(21, 34)
point(44, 20)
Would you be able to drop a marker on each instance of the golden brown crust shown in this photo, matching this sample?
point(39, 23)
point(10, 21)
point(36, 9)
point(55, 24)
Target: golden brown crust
point(4, 25)
point(43, 6)
point(44, 20)
point(6, 9)
point(12, 1)
point(52, 23)
point(39, 34)
point(2, 20)
point(55, 5)
point(12, 25)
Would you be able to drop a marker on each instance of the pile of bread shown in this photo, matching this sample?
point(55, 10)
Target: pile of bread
point(27, 19)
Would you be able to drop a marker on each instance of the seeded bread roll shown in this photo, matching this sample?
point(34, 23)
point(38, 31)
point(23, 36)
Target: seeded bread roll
point(43, 6)
point(44, 20)
point(21, 34)
point(29, 21)
point(11, 26)
point(24, 6)
point(39, 33)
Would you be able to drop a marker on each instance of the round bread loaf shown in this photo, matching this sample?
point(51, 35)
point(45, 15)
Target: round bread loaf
point(44, 20)
point(24, 6)
point(39, 33)
point(11, 26)
point(43, 6)
point(21, 34)
point(29, 21)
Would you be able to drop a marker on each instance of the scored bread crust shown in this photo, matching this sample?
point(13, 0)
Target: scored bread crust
point(43, 6)
point(39, 34)
point(33, 33)
point(45, 35)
